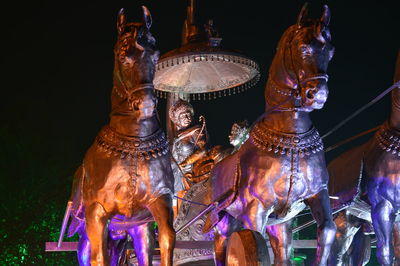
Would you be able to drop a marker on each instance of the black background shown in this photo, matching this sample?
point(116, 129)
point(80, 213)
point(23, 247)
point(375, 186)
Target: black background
point(57, 62)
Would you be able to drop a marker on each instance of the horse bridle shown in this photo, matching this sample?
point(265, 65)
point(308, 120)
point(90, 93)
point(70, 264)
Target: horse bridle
point(295, 92)
point(129, 94)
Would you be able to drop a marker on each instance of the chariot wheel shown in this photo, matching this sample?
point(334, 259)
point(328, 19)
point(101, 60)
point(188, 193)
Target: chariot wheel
point(247, 248)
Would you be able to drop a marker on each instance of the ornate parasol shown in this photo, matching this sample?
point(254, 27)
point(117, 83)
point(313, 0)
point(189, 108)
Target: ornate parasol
point(200, 69)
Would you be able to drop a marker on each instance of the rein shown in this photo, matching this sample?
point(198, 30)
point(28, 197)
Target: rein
point(337, 145)
point(128, 95)
point(357, 112)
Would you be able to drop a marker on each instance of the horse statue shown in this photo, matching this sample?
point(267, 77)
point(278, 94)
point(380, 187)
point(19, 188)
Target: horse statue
point(126, 180)
point(367, 179)
point(281, 167)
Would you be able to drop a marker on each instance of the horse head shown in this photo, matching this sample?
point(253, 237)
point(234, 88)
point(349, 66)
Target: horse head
point(134, 67)
point(297, 77)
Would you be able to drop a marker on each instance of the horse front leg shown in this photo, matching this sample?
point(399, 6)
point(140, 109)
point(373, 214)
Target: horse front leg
point(383, 217)
point(143, 241)
point(396, 242)
point(346, 230)
point(224, 229)
point(360, 251)
point(280, 238)
point(117, 242)
point(322, 213)
point(83, 251)
point(162, 212)
point(96, 224)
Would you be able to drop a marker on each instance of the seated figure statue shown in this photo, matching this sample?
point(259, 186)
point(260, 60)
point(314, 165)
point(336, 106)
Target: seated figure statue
point(201, 162)
point(189, 145)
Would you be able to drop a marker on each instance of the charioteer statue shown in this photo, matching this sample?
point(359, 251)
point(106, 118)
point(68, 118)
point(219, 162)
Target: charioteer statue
point(201, 162)
point(190, 144)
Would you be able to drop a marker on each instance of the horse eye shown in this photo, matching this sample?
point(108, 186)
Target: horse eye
point(306, 50)
point(121, 57)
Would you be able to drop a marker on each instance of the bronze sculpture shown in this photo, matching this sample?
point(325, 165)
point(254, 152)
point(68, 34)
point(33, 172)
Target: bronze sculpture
point(193, 202)
point(366, 178)
point(282, 165)
point(189, 145)
point(126, 178)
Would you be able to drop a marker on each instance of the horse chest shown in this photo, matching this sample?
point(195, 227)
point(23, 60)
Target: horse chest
point(288, 177)
point(291, 166)
point(383, 174)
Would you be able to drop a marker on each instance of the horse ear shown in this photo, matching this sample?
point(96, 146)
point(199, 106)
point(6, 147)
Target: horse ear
point(302, 15)
point(135, 35)
point(146, 17)
point(326, 16)
point(121, 21)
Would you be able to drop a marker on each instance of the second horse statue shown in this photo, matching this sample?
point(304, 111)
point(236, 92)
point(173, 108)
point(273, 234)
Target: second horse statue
point(282, 165)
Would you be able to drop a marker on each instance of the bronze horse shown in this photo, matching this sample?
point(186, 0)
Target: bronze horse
point(367, 179)
point(126, 177)
point(282, 165)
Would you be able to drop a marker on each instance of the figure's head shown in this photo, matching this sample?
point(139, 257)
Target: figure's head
point(135, 54)
point(181, 114)
point(300, 64)
point(238, 133)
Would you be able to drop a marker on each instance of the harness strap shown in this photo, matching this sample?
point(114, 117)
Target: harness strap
point(376, 99)
point(330, 148)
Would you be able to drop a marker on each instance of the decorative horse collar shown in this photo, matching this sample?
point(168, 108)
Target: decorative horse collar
point(389, 138)
point(274, 141)
point(112, 142)
point(125, 94)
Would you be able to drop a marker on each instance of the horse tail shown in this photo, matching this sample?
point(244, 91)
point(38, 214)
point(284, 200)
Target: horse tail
point(77, 211)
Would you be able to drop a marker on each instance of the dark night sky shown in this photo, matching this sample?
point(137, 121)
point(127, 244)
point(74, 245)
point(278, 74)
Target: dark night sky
point(58, 62)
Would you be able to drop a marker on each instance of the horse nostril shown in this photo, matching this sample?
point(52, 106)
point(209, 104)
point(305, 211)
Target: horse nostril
point(310, 94)
point(322, 95)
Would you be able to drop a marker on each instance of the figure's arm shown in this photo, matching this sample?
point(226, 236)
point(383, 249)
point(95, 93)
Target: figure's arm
point(194, 157)
point(200, 138)
point(201, 135)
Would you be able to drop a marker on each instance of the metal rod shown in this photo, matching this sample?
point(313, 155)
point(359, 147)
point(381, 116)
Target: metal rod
point(64, 223)
point(198, 216)
point(309, 223)
point(377, 98)
point(352, 138)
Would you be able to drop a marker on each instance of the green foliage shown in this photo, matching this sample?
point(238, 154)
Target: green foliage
point(34, 196)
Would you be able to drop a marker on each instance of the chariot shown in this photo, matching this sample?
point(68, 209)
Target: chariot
point(126, 180)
